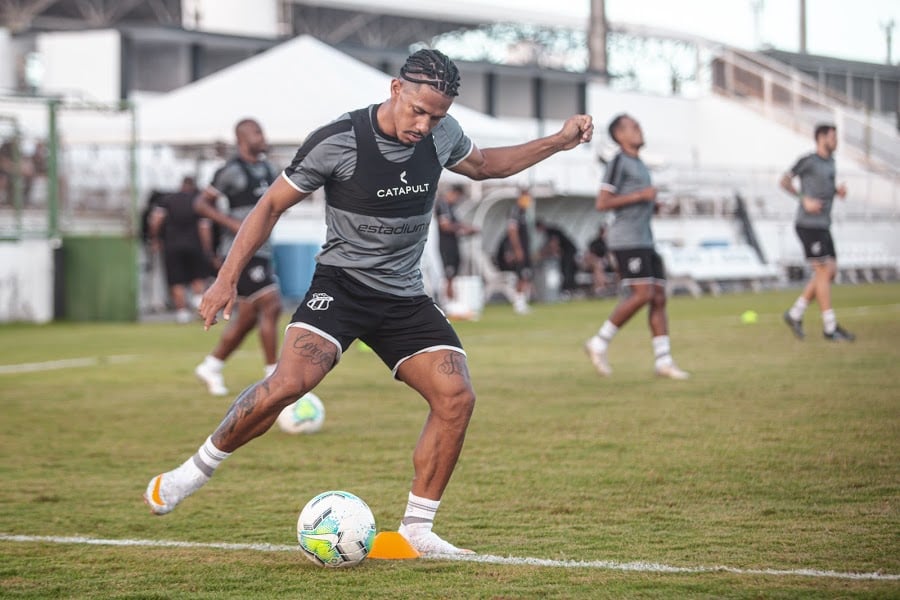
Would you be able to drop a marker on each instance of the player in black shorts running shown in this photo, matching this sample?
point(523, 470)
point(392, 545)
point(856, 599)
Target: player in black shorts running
point(379, 167)
point(628, 192)
point(816, 172)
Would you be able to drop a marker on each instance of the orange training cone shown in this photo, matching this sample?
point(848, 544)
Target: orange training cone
point(390, 545)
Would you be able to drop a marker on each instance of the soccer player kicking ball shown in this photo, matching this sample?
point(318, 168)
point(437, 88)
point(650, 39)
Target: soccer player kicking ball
point(379, 166)
point(813, 222)
point(627, 191)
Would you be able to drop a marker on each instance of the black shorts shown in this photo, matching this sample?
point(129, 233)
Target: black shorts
point(506, 261)
point(341, 309)
point(639, 265)
point(817, 243)
point(184, 265)
point(257, 278)
point(524, 270)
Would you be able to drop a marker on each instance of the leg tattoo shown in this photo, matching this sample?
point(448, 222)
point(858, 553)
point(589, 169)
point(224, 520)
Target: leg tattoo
point(243, 406)
point(311, 348)
point(454, 364)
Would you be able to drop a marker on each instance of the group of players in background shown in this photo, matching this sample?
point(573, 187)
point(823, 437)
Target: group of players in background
point(379, 166)
point(628, 193)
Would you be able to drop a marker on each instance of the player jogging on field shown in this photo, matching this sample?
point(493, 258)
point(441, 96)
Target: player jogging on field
point(379, 167)
point(628, 192)
point(243, 180)
point(813, 223)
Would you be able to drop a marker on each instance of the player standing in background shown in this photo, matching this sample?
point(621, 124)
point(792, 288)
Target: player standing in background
point(559, 247)
point(380, 167)
point(451, 229)
point(597, 260)
point(243, 180)
point(628, 192)
point(516, 250)
point(175, 225)
point(813, 225)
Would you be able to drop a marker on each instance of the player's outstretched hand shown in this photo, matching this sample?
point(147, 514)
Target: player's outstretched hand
point(578, 129)
point(219, 296)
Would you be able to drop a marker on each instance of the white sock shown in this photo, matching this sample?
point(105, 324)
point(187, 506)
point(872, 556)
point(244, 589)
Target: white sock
point(662, 351)
point(269, 369)
point(829, 321)
point(797, 310)
point(420, 513)
point(605, 335)
point(208, 457)
point(214, 364)
point(188, 477)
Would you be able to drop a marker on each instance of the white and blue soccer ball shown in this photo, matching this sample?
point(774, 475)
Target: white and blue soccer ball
point(336, 529)
point(306, 415)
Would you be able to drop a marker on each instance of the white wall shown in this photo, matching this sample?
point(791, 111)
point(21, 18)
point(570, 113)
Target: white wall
point(84, 64)
point(731, 135)
point(26, 281)
point(256, 18)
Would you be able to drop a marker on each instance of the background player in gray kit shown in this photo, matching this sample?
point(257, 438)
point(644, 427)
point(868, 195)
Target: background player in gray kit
point(379, 167)
point(243, 180)
point(628, 192)
point(816, 172)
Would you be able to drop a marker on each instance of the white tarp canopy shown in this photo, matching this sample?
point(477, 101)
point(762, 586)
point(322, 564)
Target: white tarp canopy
point(290, 89)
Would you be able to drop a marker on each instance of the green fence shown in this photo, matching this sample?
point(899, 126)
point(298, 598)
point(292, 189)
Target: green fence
point(100, 279)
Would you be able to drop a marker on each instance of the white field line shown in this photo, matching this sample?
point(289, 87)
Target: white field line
point(638, 567)
point(67, 363)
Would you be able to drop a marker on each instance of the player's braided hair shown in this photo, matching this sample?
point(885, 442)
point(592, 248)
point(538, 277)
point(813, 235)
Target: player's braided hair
point(434, 68)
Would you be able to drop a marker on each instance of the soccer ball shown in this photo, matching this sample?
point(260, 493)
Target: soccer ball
point(306, 415)
point(336, 529)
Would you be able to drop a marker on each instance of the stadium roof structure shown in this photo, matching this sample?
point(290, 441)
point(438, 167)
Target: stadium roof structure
point(53, 15)
point(396, 25)
point(460, 12)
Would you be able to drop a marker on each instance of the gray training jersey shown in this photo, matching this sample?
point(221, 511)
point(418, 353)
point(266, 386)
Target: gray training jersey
point(243, 183)
point(631, 224)
point(376, 231)
point(817, 180)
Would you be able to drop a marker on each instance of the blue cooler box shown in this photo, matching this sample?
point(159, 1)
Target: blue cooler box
point(294, 266)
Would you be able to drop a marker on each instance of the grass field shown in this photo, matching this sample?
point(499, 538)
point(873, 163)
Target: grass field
point(778, 461)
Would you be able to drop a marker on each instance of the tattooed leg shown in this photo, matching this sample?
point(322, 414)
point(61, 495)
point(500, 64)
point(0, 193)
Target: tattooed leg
point(305, 360)
point(443, 380)
point(313, 350)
